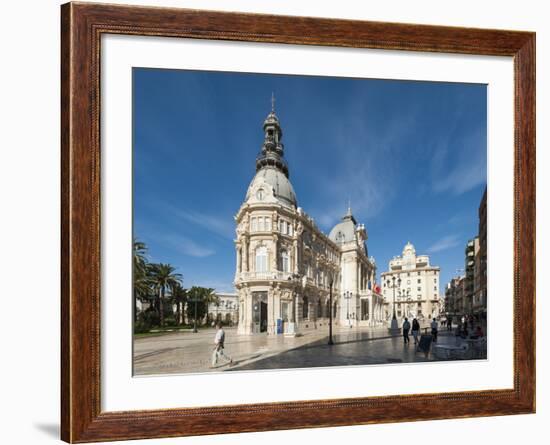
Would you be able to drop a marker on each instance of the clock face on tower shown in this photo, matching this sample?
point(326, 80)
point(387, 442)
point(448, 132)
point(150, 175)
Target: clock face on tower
point(260, 194)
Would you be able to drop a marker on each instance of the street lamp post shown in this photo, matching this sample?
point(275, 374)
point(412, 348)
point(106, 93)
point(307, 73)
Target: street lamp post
point(394, 329)
point(292, 328)
point(409, 303)
point(348, 295)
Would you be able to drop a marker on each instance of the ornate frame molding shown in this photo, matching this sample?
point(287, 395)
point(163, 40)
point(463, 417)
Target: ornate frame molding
point(81, 28)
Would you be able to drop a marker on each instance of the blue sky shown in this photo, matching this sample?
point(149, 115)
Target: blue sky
point(410, 156)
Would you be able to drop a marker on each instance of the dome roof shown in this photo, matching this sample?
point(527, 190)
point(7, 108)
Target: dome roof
point(282, 188)
point(344, 231)
point(409, 249)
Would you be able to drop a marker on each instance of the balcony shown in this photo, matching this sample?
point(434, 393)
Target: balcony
point(263, 276)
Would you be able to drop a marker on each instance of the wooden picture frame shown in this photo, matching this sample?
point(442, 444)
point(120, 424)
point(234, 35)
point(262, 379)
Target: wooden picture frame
point(82, 26)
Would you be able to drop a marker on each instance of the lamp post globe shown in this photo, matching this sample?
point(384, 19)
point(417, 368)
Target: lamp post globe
point(394, 328)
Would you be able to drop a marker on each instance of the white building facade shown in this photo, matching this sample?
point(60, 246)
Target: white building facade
point(416, 283)
point(226, 309)
point(287, 270)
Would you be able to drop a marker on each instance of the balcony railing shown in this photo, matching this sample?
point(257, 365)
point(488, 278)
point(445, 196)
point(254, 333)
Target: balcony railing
point(251, 276)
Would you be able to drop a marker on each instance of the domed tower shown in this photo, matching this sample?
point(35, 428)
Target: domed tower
point(361, 305)
point(344, 231)
point(271, 181)
point(267, 240)
point(272, 153)
point(408, 257)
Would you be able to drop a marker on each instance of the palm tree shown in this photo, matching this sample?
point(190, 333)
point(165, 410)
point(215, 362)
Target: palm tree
point(179, 295)
point(141, 270)
point(164, 278)
point(209, 297)
point(139, 251)
point(201, 297)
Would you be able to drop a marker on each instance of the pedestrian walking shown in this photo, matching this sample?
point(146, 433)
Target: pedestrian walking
point(450, 324)
point(434, 330)
point(219, 343)
point(406, 327)
point(415, 330)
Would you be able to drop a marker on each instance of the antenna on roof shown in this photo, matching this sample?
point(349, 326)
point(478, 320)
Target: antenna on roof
point(273, 102)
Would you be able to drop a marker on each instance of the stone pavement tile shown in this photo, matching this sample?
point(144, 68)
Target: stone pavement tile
point(358, 352)
point(188, 352)
point(192, 352)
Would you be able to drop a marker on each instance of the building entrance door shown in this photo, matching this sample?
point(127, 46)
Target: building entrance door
point(364, 309)
point(263, 317)
point(259, 311)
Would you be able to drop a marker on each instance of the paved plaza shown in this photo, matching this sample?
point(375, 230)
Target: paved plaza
point(188, 352)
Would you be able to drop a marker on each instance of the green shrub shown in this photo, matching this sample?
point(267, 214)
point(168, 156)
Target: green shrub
point(146, 321)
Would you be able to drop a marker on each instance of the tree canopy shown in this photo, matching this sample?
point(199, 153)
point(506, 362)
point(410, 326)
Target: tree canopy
point(162, 286)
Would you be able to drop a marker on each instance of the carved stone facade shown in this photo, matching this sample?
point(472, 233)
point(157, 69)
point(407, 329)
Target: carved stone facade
point(417, 286)
point(286, 267)
point(225, 309)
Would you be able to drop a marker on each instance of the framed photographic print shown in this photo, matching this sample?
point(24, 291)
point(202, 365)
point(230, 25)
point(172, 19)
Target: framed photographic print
point(276, 222)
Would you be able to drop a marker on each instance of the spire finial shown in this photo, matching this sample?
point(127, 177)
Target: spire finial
point(349, 215)
point(272, 102)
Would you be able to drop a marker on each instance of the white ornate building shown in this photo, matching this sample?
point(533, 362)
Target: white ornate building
point(286, 267)
point(226, 309)
point(417, 286)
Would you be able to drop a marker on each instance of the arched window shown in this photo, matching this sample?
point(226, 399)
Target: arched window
point(261, 259)
point(285, 264)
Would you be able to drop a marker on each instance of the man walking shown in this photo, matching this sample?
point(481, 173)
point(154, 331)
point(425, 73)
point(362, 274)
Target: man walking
point(219, 341)
point(406, 327)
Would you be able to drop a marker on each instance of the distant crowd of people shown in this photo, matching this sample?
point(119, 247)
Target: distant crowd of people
point(415, 330)
point(464, 326)
point(462, 329)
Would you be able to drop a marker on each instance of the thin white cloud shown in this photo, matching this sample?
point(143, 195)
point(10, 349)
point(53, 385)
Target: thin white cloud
point(185, 245)
point(221, 225)
point(464, 171)
point(191, 248)
point(362, 170)
point(447, 242)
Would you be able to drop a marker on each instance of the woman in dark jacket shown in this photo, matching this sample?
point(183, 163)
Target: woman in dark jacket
point(415, 330)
